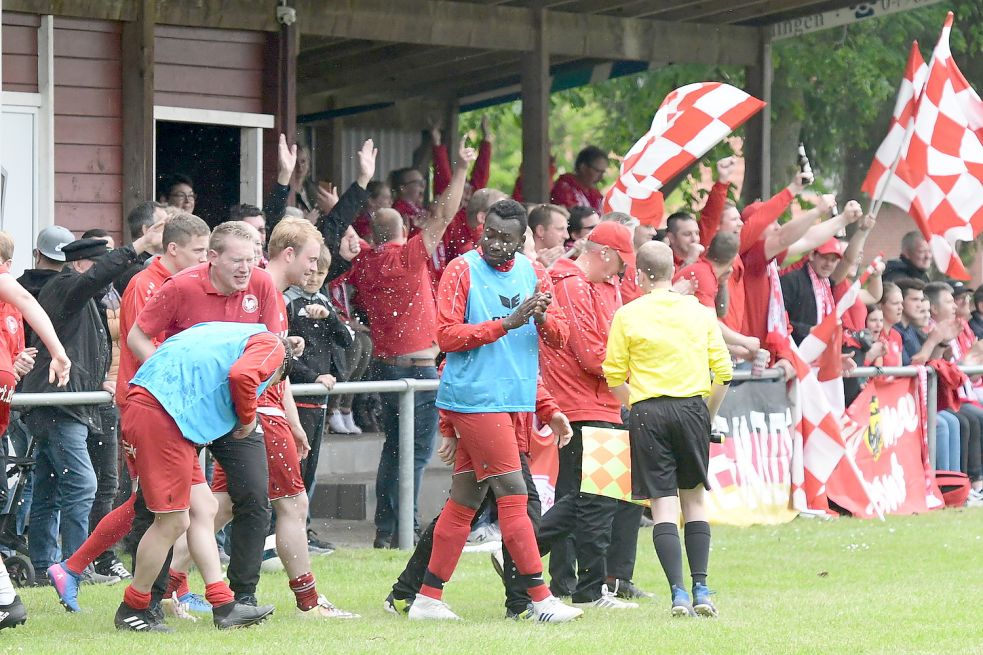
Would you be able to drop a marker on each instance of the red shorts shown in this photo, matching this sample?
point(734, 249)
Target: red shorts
point(486, 444)
point(281, 458)
point(166, 463)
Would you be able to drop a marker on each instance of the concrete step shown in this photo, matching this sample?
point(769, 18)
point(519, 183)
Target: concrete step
point(346, 473)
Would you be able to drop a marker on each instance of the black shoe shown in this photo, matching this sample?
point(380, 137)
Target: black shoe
point(135, 620)
point(156, 610)
point(382, 540)
point(239, 615)
point(109, 565)
point(13, 615)
point(246, 599)
point(627, 589)
point(318, 546)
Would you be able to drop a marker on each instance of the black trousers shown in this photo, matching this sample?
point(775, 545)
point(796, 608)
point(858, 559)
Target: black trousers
point(312, 420)
point(244, 461)
point(516, 596)
point(103, 452)
point(589, 537)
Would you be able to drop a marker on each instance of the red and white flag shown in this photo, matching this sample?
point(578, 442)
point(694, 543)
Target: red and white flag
point(938, 178)
point(691, 120)
point(887, 153)
point(819, 405)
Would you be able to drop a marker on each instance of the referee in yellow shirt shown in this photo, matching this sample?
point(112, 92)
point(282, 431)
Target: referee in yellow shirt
point(661, 351)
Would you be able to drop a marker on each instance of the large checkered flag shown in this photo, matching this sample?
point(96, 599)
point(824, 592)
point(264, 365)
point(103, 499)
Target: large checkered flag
point(938, 172)
point(690, 121)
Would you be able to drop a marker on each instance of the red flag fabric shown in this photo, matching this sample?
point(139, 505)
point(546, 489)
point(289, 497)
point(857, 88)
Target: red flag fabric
point(691, 120)
point(939, 175)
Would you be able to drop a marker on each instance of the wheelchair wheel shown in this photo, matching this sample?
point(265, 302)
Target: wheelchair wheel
point(20, 570)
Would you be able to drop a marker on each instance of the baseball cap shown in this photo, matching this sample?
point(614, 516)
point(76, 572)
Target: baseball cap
point(52, 239)
point(959, 288)
point(85, 249)
point(831, 247)
point(615, 236)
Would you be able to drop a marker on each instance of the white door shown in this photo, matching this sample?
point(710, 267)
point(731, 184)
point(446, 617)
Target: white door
point(20, 184)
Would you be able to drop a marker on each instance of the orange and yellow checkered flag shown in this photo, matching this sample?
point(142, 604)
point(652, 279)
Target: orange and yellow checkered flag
point(606, 463)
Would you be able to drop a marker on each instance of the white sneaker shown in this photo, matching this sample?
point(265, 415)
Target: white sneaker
point(609, 601)
point(325, 609)
point(425, 608)
point(975, 498)
point(553, 610)
point(337, 424)
point(349, 423)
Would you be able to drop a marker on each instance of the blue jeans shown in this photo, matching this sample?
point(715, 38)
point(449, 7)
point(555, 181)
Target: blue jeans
point(64, 487)
point(424, 430)
point(946, 441)
point(19, 440)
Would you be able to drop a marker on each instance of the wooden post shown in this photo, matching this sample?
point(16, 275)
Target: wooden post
point(535, 78)
point(757, 132)
point(138, 107)
point(286, 112)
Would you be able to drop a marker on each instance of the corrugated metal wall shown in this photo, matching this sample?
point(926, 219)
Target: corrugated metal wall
point(395, 151)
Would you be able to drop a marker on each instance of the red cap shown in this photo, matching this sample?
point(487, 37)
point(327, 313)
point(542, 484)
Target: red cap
point(831, 247)
point(615, 236)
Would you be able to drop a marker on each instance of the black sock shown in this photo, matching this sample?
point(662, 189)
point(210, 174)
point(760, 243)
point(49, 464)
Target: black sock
point(697, 536)
point(665, 537)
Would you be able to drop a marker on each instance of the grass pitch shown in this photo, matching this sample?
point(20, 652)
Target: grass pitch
point(907, 585)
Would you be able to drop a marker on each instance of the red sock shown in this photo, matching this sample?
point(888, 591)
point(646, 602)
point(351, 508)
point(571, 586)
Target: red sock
point(304, 590)
point(519, 538)
point(113, 527)
point(177, 583)
point(449, 537)
point(218, 593)
point(136, 599)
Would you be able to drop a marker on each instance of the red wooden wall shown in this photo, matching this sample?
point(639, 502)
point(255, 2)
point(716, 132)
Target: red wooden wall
point(20, 52)
point(88, 125)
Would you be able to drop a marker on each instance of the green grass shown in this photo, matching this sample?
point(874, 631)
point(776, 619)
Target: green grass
point(908, 585)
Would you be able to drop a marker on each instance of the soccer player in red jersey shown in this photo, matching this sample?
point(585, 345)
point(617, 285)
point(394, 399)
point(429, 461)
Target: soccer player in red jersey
point(15, 302)
point(491, 315)
point(294, 249)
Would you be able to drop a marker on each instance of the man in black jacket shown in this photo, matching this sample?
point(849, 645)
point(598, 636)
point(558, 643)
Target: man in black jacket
point(807, 291)
point(65, 482)
point(914, 262)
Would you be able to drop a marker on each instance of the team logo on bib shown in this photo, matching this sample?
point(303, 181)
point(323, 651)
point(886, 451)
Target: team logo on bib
point(12, 325)
point(249, 303)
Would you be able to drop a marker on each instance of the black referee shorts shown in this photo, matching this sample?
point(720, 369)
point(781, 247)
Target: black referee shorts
point(670, 446)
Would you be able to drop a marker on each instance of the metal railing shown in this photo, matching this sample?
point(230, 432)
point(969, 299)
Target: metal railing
point(407, 388)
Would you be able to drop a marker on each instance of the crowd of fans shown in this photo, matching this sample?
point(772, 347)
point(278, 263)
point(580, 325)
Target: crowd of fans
point(370, 308)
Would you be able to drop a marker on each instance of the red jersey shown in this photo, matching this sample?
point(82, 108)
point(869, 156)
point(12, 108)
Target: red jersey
point(704, 280)
point(569, 192)
point(273, 396)
point(454, 335)
point(573, 374)
point(12, 331)
point(189, 298)
point(394, 288)
point(138, 293)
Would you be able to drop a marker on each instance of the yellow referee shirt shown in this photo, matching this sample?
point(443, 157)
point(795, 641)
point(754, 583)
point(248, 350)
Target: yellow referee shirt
point(666, 344)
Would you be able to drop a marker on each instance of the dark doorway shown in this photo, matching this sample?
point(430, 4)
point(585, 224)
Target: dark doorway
point(209, 155)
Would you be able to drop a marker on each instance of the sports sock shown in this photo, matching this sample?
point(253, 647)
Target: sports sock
point(449, 537)
point(177, 583)
point(665, 537)
point(113, 527)
point(520, 540)
point(305, 591)
point(218, 593)
point(7, 592)
point(136, 599)
point(697, 537)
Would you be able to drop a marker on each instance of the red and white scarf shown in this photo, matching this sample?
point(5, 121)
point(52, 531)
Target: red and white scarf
point(825, 305)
